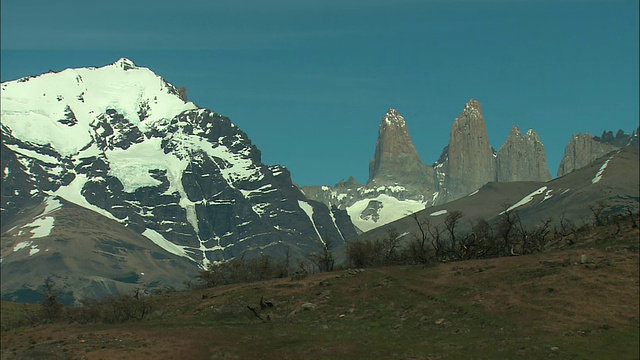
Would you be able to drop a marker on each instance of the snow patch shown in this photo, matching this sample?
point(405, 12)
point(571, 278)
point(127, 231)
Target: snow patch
point(73, 194)
point(392, 210)
point(32, 154)
point(165, 244)
point(51, 205)
point(132, 166)
point(598, 176)
point(265, 189)
point(308, 209)
point(259, 209)
point(34, 250)
point(525, 199)
point(41, 227)
point(333, 219)
point(438, 213)
point(21, 245)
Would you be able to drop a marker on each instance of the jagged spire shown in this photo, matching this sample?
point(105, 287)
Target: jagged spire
point(395, 155)
point(392, 117)
point(522, 157)
point(470, 159)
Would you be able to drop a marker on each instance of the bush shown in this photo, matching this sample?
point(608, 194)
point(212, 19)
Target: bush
point(51, 309)
point(243, 271)
point(362, 253)
point(112, 309)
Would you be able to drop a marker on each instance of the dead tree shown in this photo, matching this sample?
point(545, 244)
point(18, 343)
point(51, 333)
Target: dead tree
point(506, 225)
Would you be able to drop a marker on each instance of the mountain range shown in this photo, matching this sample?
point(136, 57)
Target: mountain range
point(609, 186)
point(400, 183)
point(113, 180)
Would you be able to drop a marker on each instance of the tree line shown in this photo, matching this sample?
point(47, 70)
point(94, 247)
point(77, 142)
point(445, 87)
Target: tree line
point(507, 236)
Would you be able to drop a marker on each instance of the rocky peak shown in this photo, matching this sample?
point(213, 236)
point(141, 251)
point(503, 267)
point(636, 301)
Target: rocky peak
point(396, 159)
point(530, 134)
point(522, 158)
point(516, 133)
point(125, 64)
point(351, 182)
point(472, 108)
point(621, 139)
point(470, 159)
point(393, 118)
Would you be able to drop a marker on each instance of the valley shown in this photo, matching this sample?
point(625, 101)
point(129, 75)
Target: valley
point(575, 301)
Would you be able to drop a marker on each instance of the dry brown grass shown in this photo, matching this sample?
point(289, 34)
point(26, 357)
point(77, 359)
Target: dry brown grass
point(534, 306)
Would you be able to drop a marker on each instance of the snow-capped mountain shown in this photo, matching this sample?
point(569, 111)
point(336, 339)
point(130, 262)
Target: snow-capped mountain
point(399, 183)
point(122, 142)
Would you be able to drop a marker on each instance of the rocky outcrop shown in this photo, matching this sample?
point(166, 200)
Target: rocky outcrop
point(621, 139)
point(522, 158)
point(470, 159)
point(396, 160)
point(399, 182)
point(581, 150)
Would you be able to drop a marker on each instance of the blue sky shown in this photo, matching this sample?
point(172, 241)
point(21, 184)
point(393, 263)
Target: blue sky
point(309, 81)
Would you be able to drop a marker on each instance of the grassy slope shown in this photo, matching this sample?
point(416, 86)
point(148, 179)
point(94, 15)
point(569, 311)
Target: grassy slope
point(535, 306)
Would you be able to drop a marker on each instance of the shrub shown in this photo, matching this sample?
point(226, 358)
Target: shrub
point(51, 309)
point(242, 271)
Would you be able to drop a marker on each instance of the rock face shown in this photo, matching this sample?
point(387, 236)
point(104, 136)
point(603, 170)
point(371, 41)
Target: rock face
point(522, 158)
point(581, 150)
point(470, 161)
point(399, 183)
point(124, 143)
point(396, 160)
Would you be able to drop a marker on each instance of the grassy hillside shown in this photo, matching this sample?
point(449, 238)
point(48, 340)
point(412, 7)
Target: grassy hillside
point(578, 302)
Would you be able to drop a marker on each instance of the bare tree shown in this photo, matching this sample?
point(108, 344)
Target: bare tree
point(450, 223)
point(323, 260)
point(52, 309)
point(484, 239)
point(596, 211)
point(539, 235)
point(418, 248)
point(523, 234)
point(569, 229)
point(437, 242)
point(390, 247)
point(506, 225)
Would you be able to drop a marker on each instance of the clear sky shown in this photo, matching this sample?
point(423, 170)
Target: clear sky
point(309, 81)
